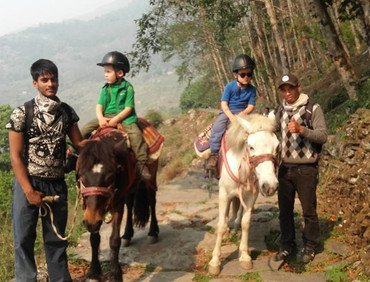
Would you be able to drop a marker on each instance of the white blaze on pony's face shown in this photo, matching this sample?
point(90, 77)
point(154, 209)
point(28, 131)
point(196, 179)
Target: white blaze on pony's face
point(97, 168)
point(263, 143)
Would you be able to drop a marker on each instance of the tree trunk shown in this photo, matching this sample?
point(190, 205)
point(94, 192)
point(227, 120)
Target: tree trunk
point(336, 49)
point(366, 21)
point(355, 37)
point(269, 65)
point(276, 32)
point(295, 37)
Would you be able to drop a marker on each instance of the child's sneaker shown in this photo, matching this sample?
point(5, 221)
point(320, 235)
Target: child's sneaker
point(212, 161)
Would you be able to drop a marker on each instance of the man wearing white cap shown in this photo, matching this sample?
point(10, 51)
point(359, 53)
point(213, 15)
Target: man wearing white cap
point(303, 132)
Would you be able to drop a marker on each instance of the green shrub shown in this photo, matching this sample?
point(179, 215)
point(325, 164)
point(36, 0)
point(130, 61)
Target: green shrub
point(338, 112)
point(6, 183)
point(154, 117)
point(337, 274)
point(200, 94)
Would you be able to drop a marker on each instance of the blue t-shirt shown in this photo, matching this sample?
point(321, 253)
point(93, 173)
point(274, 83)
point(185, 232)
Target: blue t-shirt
point(239, 98)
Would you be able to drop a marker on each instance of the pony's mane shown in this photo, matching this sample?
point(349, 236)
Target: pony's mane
point(236, 134)
point(98, 151)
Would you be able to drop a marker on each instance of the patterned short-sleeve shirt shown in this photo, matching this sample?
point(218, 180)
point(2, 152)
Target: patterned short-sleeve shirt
point(46, 145)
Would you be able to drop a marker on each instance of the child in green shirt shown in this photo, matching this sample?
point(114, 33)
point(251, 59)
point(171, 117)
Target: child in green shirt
point(116, 105)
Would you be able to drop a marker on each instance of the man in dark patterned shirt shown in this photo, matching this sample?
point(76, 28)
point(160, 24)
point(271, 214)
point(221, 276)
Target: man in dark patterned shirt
point(301, 142)
point(37, 152)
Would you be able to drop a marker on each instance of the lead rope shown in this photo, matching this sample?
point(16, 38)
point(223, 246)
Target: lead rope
point(45, 207)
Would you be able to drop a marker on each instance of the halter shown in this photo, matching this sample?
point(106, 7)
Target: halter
point(105, 191)
point(256, 160)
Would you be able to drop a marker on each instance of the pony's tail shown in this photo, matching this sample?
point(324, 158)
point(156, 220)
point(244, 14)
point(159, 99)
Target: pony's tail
point(141, 205)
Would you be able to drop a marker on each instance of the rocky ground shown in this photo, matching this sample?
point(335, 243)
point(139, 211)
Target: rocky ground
point(345, 183)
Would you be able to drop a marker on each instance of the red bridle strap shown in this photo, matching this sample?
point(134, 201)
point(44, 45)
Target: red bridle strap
point(96, 191)
point(256, 160)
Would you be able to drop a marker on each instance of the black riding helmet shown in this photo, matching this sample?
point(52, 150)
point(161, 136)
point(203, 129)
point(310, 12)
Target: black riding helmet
point(243, 62)
point(117, 59)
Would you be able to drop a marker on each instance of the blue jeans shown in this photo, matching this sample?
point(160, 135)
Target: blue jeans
point(24, 219)
point(218, 129)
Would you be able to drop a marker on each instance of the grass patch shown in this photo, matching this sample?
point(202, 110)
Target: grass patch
point(6, 251)
point(234, 238)
point(251, 276)
point(188, 156)
point(337, 273)
point(202, 278)
point(209, 229)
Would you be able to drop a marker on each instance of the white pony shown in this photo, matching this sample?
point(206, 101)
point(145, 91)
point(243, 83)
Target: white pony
point(249, 160)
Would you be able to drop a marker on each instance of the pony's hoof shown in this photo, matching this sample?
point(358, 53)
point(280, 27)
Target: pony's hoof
point(126, 242)
point(214, 270)
point(246, 265)
point(153, 239)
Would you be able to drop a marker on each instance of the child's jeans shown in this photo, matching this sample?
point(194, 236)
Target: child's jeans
point(218, 129)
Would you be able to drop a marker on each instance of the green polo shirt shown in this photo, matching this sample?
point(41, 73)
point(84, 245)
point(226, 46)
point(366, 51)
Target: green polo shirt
point(115, 97)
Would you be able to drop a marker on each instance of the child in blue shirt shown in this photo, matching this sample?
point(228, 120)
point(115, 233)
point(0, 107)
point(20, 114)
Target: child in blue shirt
point(239, 98)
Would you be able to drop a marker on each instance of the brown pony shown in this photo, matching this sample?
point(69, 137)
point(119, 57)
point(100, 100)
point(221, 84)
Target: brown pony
point(107, 179)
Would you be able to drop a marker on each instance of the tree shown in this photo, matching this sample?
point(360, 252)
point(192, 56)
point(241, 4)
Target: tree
point(335, 47)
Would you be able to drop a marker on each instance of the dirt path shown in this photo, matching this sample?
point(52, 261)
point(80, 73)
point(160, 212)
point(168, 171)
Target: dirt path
point(187, 218)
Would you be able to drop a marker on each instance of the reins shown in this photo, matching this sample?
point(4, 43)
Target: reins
point(45, 208)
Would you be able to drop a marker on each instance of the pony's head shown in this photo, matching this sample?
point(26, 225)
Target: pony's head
point(98, 170)
point(255, 136)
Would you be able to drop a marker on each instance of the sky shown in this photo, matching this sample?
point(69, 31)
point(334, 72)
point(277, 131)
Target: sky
point(16, 15)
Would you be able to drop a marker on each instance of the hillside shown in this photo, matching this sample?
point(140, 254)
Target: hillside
point(76, 46)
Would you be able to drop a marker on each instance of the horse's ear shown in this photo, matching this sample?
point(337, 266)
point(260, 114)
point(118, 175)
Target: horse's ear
point(271, 115)
point(120, 147)
point(245, 124)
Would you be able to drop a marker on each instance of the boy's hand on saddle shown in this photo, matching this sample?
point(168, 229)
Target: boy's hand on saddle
point(34, 197)
point(112, 123)
point(104, 122)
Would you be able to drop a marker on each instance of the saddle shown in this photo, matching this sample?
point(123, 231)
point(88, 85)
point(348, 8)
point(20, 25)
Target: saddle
point(203, 150)
point(152, 137)
point(201, 143)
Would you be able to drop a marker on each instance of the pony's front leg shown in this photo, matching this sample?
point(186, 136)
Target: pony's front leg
point(95, 268)
point(153, 228)
point(115, 244)
point(245, 259)
point(215, 263)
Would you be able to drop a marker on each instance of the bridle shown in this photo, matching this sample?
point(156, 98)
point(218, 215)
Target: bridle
point(253, 162)
point(105, 191)
point(256, 160)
